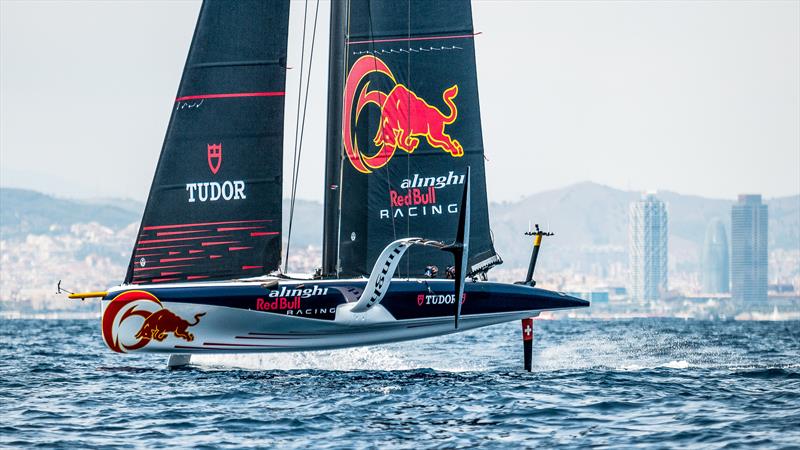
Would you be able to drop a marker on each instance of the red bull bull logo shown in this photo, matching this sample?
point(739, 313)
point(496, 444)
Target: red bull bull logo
point(155, 322)
point(405, 117)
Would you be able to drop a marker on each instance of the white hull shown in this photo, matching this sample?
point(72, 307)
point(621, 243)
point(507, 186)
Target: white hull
point(230, 330)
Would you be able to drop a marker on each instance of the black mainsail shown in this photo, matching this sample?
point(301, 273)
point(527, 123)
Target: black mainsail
point(214, 210)
point(410, 128)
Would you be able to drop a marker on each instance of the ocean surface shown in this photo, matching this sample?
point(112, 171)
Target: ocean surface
point(623, 383)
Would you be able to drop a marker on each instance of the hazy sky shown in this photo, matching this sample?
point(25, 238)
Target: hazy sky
point(695, 97)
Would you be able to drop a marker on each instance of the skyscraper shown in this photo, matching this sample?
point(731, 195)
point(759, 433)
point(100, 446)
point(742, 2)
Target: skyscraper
point(647, 248)
point(749, 249)
point(715, 259)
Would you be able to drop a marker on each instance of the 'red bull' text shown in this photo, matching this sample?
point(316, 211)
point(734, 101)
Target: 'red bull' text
point(293, 307)
point(278, 304)
point(413, 197)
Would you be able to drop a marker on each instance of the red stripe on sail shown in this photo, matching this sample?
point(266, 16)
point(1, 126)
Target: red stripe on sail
point(215, 256)
point(166, 274)
point(203, 224)
point(170, 233)
point(192, 252)
point(173, 253)
point(163, 246)
point(234, 249)
point(206, 244)
point(237, 228)
point(161, 280)
point(252, 267)
point(196, 277)
point(158, 241)
point(231, 95)
point(137, 269)
point(427, 38)
point(263, 233)
point(169, 260)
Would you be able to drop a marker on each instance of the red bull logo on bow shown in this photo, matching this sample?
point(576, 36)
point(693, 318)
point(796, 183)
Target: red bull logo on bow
point(405, 117)
point(123, 332)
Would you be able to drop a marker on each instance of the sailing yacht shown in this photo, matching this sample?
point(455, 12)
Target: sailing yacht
point(407, 244)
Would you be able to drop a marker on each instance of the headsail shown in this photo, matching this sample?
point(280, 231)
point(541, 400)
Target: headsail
point(214, 210)
point(410, 128)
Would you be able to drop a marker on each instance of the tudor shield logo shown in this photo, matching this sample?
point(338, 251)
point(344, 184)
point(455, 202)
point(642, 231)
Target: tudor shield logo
point(214, 157)
point(212, 191)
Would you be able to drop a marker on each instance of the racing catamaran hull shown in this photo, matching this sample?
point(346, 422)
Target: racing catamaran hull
point(284, 316)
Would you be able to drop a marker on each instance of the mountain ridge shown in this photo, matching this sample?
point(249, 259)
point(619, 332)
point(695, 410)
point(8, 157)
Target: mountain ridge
point(586, 216)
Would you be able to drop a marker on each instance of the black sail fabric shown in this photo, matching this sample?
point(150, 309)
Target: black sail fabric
point(214, 210)
point(411, 126)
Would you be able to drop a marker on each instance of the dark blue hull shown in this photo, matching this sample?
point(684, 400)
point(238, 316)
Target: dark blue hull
point(291, 315)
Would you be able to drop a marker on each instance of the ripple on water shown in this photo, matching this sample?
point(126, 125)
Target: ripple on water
point(613, 383)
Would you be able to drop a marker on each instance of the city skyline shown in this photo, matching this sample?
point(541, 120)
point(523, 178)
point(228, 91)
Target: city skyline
point(96, 246)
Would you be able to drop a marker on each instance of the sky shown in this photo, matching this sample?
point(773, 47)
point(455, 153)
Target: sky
point(700, 98)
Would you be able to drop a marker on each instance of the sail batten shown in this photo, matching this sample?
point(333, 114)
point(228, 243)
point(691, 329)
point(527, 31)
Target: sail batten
point(214, 210)
point(237, 63)
point(230, 95)
point(412, 38)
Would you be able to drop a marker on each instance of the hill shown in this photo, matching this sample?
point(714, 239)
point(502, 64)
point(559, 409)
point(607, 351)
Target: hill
point(590, 221)
point(24, 212)
point(590, 218)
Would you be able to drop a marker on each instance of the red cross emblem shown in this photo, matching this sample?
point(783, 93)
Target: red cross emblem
point(527, 329)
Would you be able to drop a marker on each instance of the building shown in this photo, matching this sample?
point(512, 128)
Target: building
point(596, 296)
point(647, 248)
point(715, 259)
point(749, 249)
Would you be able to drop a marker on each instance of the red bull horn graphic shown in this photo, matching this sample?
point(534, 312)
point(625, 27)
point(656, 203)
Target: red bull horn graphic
point(156, 322)
point(404, 116)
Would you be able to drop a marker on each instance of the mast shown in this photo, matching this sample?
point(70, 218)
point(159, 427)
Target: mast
point(333, 152)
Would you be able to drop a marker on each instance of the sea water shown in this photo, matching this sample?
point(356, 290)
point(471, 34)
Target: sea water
point(623, 383)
